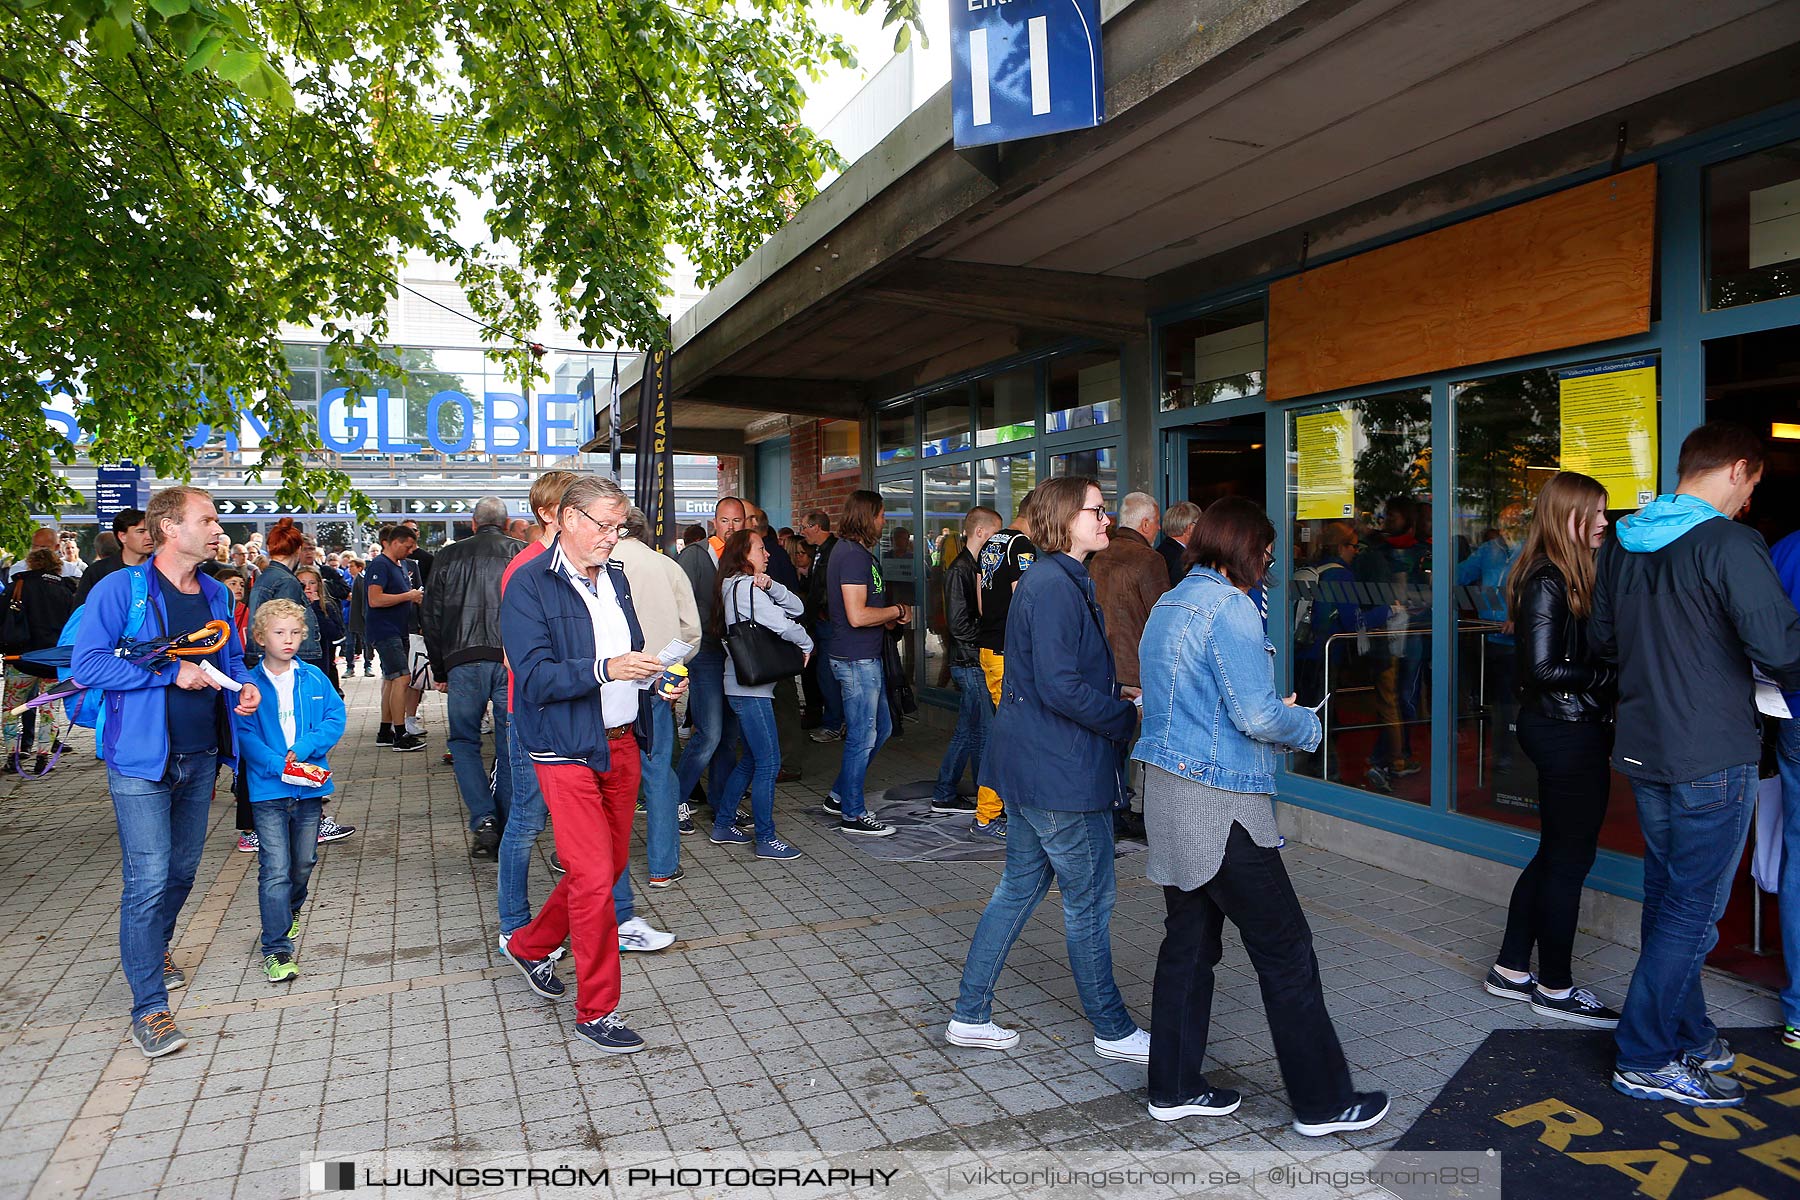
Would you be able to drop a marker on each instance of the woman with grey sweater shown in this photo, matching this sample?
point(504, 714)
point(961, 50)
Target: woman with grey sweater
point(1212, 728)
point(745, 592)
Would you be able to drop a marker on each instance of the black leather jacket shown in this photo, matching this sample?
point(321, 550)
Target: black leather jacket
point(461, 613)
point(818, 609)
point(962, 617)
point(1559, 674)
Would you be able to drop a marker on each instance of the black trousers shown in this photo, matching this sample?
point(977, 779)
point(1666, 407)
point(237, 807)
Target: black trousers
point(1252, 890)
point(1574, 781)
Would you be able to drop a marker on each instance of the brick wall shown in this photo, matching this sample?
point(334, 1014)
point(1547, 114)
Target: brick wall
point(808, 491)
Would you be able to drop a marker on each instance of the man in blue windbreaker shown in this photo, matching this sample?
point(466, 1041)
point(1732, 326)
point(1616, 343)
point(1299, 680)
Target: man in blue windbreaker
point(167, 732)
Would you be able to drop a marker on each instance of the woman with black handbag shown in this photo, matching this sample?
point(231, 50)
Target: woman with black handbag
point(38, 604)
point(757, 619)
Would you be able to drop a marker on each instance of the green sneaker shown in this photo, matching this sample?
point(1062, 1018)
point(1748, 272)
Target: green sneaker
point(1790, 1036)
point(294, 929)
point(280, 968)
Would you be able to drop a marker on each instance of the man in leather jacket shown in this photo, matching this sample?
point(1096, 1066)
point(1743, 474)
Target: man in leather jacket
point(962, 622)
point(461, 618)
point(815, 529)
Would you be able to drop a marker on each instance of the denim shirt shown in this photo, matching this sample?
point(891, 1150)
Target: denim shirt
point(1208, 673)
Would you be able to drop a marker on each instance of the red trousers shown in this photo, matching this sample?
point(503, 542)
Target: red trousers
point(590, 815)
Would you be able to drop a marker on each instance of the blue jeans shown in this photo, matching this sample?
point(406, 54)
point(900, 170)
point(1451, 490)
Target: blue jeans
point(662, 836)
point(1788, 757)
point(162, 829)
point(714, 742)
point(287, 841)
point(1076, 849)
point(1693, 836)
point(473, 687)
point(831, 695)
point(757, 769)
point(970, 738)
point(867, 723)
point(624, 904)
point(523, 824)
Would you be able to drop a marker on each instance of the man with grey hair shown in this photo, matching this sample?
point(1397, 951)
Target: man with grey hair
point(1129, 578)
point(461, 619)
point(1177, 529)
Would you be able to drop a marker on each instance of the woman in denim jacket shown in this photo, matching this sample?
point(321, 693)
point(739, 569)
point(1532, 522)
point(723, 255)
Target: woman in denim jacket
point(1064, 726)
point(1213, 725)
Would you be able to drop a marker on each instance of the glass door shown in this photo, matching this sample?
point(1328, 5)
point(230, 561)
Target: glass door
point(900, 557)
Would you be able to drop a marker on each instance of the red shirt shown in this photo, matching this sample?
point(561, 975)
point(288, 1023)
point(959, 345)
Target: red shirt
point(520, 559)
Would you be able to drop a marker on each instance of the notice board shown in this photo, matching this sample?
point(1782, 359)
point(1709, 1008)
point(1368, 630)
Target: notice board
point(1609, 427)
point(1565, 270)
point(1326, 465)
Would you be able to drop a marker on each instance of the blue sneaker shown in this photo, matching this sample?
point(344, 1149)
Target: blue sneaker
point(1682, 1082)
point(611, 1034)
point(995, 829)
point(539, 973)
point(729, 835)
point(776, 848)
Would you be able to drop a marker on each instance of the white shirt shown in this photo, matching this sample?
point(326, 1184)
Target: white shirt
point(284, 701)
point(612, 637)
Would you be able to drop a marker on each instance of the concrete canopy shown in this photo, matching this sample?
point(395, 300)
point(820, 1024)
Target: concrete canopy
point(1234, 127)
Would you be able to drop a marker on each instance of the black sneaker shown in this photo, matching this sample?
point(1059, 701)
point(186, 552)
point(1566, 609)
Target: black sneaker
point(487, 839)
point(409, 741)
point(1369, 1109)
point(1213, 1102)
point(156, 1035)
point(611, 1034)
point(684, 818)
point(539, 973)
point(556, 864)
point(1580, 1006)
point(866, 826)
point(1499, 985)
point(960, 805)
point(833, 806)
point(384, 736)
point(1683, 1083)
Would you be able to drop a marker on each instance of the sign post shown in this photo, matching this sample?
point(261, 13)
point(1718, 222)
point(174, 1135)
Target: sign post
point(115, 490)
point(1024, 68)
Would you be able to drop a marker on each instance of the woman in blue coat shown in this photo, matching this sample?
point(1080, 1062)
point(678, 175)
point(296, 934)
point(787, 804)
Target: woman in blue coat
point(1064, 724)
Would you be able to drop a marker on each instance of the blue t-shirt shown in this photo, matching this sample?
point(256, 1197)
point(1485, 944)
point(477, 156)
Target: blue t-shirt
point(850, 563)
point(393, 620)
point(193, 714)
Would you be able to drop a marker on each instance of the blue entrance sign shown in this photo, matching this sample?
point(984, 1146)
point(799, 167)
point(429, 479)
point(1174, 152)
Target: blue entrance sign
point(1024, 68)
point(115, 490)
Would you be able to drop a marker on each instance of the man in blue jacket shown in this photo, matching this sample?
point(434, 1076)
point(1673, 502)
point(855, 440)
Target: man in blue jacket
point(577, 655)
point(1787, 565)
point(1686, 601)
point(167, 732)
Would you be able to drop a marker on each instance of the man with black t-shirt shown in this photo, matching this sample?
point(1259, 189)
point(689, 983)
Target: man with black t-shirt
point(1003, 561)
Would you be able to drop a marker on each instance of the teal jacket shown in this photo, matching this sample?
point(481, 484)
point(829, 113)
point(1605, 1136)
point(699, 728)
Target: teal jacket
point(318, 726)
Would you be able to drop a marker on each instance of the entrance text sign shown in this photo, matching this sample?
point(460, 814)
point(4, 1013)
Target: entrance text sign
point(1609, 427)
point(1024, 68)
point(1327, 466)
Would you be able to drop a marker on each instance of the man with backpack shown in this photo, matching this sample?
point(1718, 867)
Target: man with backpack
point(167, 732)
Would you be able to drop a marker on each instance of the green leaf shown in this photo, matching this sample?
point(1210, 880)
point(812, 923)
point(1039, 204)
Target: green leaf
point(902, 39)
point(236, 66)
point(169, 8)
point(203, 54)
point(110, 38)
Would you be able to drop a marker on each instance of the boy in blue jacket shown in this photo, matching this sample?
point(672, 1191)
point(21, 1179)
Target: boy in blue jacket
point(284, 747)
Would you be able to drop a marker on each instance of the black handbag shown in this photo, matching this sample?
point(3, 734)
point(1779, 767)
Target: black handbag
point(759, 655)
point(15, 627)
point(901, 696)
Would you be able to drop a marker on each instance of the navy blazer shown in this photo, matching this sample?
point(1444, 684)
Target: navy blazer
point(548, 634)
point(1061, 719)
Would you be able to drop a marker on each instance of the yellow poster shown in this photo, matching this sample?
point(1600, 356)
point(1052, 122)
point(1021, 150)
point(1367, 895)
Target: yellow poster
point(1327, 465)
point(1609, 428)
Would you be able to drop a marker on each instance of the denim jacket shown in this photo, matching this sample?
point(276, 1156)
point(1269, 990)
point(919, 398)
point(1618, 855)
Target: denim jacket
point(1208, 673)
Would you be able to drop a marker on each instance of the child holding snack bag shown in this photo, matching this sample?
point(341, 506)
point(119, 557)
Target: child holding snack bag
point(283, 746)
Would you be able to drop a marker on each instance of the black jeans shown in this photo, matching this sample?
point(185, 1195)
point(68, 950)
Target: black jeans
point(1574, 780)
point(1253, 890)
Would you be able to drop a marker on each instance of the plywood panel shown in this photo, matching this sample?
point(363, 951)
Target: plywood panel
point(1568, 269)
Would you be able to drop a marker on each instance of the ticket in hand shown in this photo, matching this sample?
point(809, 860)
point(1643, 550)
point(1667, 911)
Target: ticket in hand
point(304, 775)
point(219, 677)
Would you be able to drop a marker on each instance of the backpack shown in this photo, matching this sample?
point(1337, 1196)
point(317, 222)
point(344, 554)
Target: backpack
point(1306, 588)
point(85, 707)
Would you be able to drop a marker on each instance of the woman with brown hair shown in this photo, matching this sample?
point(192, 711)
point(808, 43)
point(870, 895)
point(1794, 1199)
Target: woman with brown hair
point(1213, 726)
point(1566, 695)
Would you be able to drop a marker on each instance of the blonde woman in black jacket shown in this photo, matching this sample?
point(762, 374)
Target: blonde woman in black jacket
point(1566, 695)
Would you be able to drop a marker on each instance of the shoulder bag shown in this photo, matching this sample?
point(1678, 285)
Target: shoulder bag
point(759, 655)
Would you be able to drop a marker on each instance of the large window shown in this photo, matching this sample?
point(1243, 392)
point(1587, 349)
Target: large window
point(1753, 227)
point(1006, 407)
point(840, 448)
point(1513, 432)
point(896, 434)
point(899, 553)
point(1084, 391)
point(1218, 356)
point(1359, 485)
point(1001, 483)
point(947, 422)
point(1101, 464)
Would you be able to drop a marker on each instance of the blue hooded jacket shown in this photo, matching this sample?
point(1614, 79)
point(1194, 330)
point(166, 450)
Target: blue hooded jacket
point(318, 726)
point(1663, 520)
point(1786, 556)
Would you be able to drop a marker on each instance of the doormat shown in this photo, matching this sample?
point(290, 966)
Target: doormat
point(924, 836)
point(1544, 1100)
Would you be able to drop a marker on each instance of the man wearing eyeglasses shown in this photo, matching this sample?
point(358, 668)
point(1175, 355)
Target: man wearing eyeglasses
point(584, 707)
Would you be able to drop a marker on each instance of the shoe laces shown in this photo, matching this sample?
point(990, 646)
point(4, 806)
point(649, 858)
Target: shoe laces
point(160, 1024)
point(775, 844)
point(1587, 999)
point(168, 961)
point(612, 1021)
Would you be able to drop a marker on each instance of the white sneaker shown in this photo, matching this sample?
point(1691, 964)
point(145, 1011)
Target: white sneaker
point(986, 1036)
point(1133, 1047)
point(554, 954)
point(639, 934)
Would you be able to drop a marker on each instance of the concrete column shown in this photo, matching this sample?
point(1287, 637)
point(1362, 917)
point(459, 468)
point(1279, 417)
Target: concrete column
point(1138, 384)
